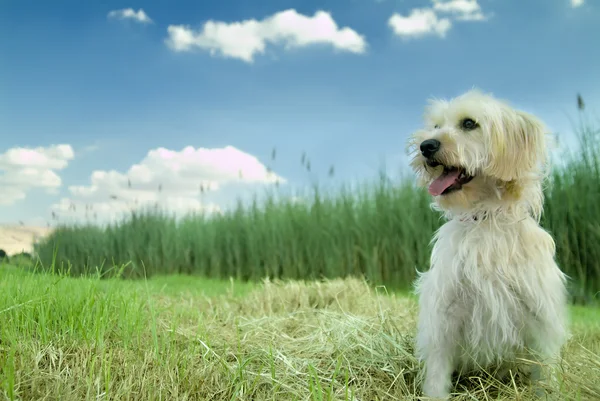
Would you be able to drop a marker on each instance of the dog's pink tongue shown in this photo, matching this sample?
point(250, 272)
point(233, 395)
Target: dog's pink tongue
point(443, 181)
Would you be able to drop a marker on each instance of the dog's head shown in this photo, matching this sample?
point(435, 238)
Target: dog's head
point(476, 153)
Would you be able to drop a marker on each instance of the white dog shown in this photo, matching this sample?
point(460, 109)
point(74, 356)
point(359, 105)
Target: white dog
point(494, 292)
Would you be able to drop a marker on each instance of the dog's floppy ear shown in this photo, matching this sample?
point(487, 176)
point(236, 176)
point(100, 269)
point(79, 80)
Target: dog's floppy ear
point(517, 144)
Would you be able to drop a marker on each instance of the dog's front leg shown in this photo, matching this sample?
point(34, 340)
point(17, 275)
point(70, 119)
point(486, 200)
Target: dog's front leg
point(439, 365)
point(438, 374)
point(437, 346)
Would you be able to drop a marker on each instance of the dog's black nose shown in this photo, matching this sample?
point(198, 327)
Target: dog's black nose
point(430, 147)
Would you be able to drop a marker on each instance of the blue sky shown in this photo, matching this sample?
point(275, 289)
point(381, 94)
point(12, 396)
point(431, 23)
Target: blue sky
point(113, 88)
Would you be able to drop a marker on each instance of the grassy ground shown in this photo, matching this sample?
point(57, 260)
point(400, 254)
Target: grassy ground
point(182, 338)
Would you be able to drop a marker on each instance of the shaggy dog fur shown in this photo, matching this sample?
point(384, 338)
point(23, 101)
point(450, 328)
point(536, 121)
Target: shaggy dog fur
point(494, 292)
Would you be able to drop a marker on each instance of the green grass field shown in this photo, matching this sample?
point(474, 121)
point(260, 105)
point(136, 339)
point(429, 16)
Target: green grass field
point(183, 338)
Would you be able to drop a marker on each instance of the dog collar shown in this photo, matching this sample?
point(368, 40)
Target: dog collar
point(473, 218)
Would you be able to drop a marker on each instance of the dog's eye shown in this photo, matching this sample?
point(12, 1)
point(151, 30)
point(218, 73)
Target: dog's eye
point(436, 126)
point(468, 124)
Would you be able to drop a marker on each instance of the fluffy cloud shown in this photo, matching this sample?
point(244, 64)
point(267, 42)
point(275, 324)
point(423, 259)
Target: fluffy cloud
point(244, 40)
point(22, 169)
point(462, 10)
point(129, 13)
point(436, 20)
point(577, 3)
point(177, 181)
point(419, 22)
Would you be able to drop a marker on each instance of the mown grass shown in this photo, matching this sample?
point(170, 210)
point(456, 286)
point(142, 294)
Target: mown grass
point(380, 231)
point(174, 338)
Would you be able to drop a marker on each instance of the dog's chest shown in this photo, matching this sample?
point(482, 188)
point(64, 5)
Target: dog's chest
point(477, 251)
point(473, 273)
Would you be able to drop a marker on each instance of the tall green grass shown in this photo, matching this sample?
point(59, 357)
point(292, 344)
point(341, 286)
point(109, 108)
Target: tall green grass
point(572, 213)
point(381, 231)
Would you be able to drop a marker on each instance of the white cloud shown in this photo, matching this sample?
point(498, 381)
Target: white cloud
point(176, 181)
point(464, 10)
point(419, 22)
point(22, 169)
point(436, 20)
point(129, 13)
point(244, 40)
point(577, 3)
